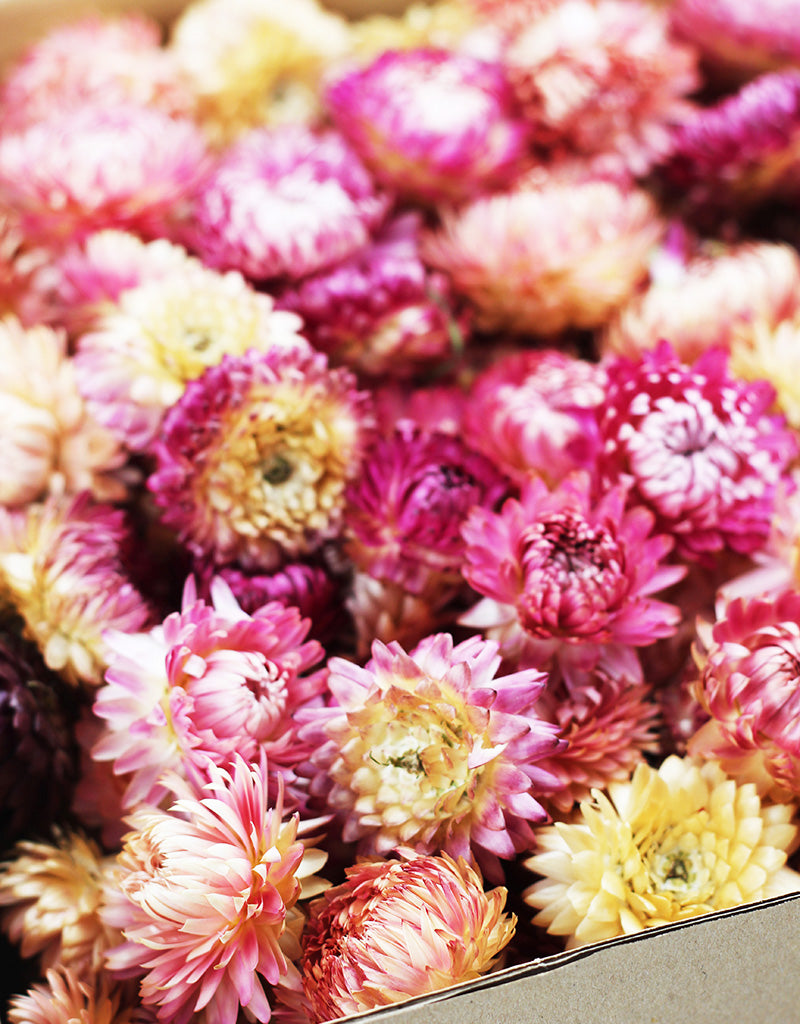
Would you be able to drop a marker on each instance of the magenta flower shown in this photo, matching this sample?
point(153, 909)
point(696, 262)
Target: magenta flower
point(254, 459)
point(100, 166)
point(381, 311)
point(284, 202)
point(404, 513)
point(603, 80)
point(749, 686)
point(533, 413)
point(697, 446)
point(567, 576)
point(208, 684)
point(430, 750)
point(205, 896)
point(433, 125)
point(740, 152)
point(108, 60)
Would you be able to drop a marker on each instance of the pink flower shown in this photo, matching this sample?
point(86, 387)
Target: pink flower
point(62, 571)
point(704, 293)
point(563, 252)
point(381, 311)
point(100, 166)
point(111, 60)
point(748, 683)
point(609, 722)
point(603, 80)
point(697, 446)
point(738, 40)
point(404, 513)
point(738, 153)
point(284, 202)
point(208, 684)
point(399, 928)
point(204, 896)
point(429, 750)
point(64, 999)
point(533, 412)
point(254, 459)
point(433, 125)
point(569, 576)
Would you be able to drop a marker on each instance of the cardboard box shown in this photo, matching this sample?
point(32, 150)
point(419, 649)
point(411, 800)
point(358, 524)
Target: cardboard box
point(739, 966)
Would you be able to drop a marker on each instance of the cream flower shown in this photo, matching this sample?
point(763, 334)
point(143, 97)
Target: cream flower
point(668, 845)
point(766, 352)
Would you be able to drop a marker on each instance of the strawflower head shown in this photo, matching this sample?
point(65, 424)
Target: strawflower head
point(50, 894)
point(666, 846)
point(609, 722)
point(404, 512)
point(136, 360)
point(764, 351)
point(748, 681)
point(209, 684)
point(399, 928)
point(734, 155)
point(602, 79)
point(25, 273)
point(62, 572)
point(703, 294)
point(99, 166)
point(697, 446)
point(737, 40)
point(36, 731)
point(66, 999)
point(284, 202)
point(204, 895)
point(111, 60)
point(256, 62)
point(563, 252)
point(254, 458)
point(432, 751)
point(432, 124)
point(381, 311)
point(567, 576)
point(51, 444)
point(533, 413)
point(443, 24)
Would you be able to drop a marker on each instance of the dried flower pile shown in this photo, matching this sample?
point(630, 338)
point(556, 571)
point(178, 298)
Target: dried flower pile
point(399, 495)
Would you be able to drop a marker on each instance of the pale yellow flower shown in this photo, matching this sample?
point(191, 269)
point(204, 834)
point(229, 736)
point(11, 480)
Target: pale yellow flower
point(762, 351)
point(668, 845)
point(50, 894)
point(442, 24)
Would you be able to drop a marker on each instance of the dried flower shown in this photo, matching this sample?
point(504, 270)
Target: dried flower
point(739, 40)
point(702, 294)
point(739, 152)
point(669, 845)
point(62, 572)
point(381, 311)
point(748, 683)
point(50, 442)
point(203, 895)
point(565, 253)
point(256, 62)
point(100, 166)
point(603, 80)
point(136, 361)
point(65, 999)
point(38, 759)
point(210, 683)
point(534, 413)
point(284, 202)
point(443, 24)
point(255, 457)
point(400, 928)
point(433, 125)
point(50, 894)
point(111, 60)
point(697, 446)
point(429, 750)
point(567, 576)
point(404, 513)
point(762, 351)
